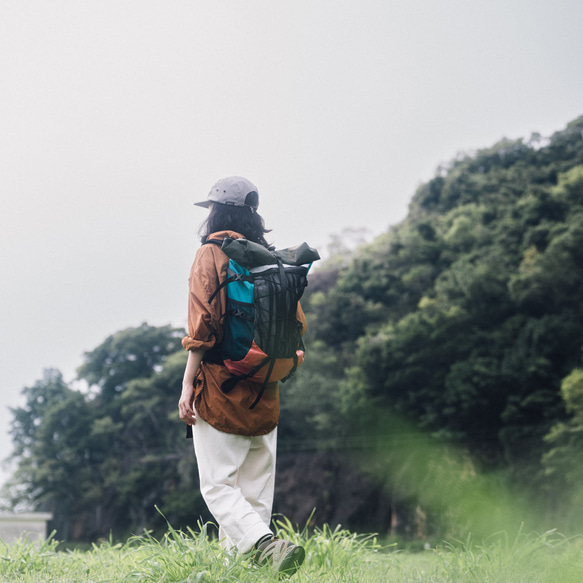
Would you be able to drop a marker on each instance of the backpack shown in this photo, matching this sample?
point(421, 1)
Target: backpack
point(262, 336)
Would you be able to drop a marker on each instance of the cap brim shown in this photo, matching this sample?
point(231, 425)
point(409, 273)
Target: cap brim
point(205, 203)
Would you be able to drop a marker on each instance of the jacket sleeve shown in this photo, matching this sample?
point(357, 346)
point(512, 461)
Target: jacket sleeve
point(204, 319)
point(301, 318)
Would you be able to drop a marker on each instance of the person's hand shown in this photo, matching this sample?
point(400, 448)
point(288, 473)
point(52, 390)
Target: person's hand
point(186, 405)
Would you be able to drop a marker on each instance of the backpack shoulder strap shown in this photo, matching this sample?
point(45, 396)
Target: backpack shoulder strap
point(217, 242)
point(231, 278)
point(234, 277)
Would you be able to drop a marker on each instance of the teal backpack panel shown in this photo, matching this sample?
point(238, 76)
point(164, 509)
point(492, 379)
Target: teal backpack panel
point(240, 315)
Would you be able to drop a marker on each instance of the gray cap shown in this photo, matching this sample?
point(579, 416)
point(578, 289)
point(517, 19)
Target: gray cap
point(232, 190)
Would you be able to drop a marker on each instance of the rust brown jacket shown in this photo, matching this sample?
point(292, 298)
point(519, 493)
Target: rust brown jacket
point(226, 412)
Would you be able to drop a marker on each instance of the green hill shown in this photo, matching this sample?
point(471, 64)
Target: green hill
point(465, 319)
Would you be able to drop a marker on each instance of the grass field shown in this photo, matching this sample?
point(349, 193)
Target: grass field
point(331, 556)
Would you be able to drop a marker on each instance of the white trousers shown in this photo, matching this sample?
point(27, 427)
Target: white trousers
point(237, 479)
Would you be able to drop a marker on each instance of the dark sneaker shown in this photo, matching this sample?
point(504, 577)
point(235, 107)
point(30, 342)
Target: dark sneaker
point(283, 556)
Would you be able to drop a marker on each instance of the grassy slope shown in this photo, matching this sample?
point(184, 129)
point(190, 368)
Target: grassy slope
point(332, 556)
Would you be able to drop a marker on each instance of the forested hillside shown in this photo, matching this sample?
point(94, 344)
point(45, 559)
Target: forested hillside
point(467, 316)
point(466, 319)
point(461, 327)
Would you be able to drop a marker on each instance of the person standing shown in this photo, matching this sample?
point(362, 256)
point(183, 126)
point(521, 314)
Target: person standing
point(235, 445)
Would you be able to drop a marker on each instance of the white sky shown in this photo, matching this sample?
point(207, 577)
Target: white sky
point(116, 115)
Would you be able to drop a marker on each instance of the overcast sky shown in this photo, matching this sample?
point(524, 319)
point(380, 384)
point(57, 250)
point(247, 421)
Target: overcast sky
point(116, 115)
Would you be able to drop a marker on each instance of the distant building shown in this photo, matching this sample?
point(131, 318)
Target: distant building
point(32, 526)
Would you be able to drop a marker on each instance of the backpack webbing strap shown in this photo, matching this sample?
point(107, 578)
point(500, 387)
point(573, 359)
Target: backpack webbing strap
point(228, 385)
point(234, 277)
point(264, 385)
point(282, 275)
point(292, 371)
point(295, 356)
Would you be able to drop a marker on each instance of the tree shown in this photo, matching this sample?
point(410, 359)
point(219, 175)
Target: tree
point(102, 460)
point(53, 449)
point(466, 316)
point(129, 354)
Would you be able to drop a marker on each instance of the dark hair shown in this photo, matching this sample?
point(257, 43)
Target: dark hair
point(241, 219)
